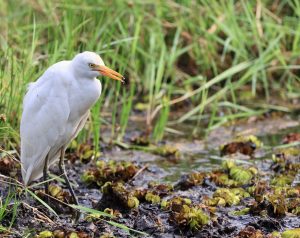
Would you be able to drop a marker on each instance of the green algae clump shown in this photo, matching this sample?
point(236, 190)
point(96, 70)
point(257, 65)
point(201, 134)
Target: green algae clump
point(293, 233)
point(152, 198)
point(241, 175)
point(227, 197)
point(45, 234)
point(282, 180)
point(184, 214)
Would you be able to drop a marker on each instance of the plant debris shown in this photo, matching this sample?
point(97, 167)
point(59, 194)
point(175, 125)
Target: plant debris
point(291, 137)
point(9, 166)
point(227, 197)
point(185, 214)
point(110, 171)
point(190, 180)
point(120, 194)
point(59, 233)
point(293, 233)
point(250, 232)
point(240, 198)
point(244, 145)
point(84, 152)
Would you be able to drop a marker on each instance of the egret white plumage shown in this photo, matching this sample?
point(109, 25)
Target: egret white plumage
point(55, 109)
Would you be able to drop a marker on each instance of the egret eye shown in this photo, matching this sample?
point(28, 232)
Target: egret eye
point(92, 65)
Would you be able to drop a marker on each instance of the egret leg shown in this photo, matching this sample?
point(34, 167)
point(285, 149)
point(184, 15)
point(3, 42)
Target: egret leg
point(63, 172)
point(45, 177)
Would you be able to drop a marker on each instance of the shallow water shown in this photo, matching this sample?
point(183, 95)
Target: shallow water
point(196, 156)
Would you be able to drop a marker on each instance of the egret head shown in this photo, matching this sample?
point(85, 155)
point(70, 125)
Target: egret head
point(90, 65)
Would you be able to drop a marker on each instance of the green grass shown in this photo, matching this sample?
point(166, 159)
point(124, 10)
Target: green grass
point(198, 55)
point(8, 207)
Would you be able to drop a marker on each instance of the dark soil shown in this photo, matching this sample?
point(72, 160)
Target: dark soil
point(201, 156)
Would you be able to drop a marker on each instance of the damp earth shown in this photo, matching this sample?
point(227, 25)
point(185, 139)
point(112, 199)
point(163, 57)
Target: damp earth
point(242, 180)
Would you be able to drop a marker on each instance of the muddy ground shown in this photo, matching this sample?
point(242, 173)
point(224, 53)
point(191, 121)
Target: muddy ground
point(157, 214)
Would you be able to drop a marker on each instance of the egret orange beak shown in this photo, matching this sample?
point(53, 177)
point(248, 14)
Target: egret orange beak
point(110, 73)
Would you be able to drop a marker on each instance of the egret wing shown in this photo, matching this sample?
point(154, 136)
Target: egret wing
point(43, 124)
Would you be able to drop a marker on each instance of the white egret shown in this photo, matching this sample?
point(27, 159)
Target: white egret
point(55, 109)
